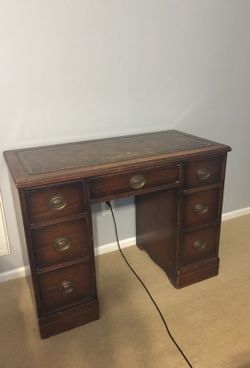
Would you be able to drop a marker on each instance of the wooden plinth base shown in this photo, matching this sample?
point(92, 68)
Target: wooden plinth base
point(198, 272)
point(69, 318)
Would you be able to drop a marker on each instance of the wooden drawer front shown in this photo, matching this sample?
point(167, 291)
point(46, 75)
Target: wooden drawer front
point(61, 242)
point(202, 172)
point(198, 245)
point(55, 201)
point(200, 208)
point(65, 286)
point(132, 182)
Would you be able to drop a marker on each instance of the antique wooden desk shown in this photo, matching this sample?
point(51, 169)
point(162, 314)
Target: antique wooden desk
point(177, 180)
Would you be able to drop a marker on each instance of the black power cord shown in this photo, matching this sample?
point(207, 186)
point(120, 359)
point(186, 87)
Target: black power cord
point(148, 292)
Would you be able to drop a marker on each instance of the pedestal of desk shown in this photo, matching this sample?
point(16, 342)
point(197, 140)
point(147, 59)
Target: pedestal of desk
point(180, 228)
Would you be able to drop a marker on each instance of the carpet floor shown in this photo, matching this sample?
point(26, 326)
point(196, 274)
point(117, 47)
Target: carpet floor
point(210, 320)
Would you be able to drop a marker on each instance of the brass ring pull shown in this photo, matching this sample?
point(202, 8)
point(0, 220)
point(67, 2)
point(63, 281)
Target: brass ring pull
point(66, 287)
point(61, 244)
point(137, 181)
point(199, 244)
point(200, 209)
point(204, 173)
point(57, 202)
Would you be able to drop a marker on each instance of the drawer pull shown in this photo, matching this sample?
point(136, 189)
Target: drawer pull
point(137, 181)
point(62, 244)
point(66, 287)
point(200, 209)
point(199, 244)
point(57, 202)
point(204, 173)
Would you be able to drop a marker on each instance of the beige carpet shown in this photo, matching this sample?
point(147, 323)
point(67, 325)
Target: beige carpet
point(210, 320)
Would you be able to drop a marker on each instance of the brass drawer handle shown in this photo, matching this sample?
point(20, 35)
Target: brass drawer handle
point(57, 202)
point(199, 244)
point(200, 208)
point(62, 244)
point(66, 287)
point(204, 173)
point(137, 181)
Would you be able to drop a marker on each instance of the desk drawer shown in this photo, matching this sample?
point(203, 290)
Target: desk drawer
point(202, 172)
point(65, 286)
point(200, 208)
point(198, 245)
point(55, 201)
point(61, 242)
point(112, 185)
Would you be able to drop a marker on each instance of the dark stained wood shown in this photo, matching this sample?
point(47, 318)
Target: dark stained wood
point(156, 227)
point(220, 204)
point(113, 185)
point(69, 318)
point(76, 231)
point(38, 202)
point(58, 163)
point(91, 153)
point(197, 272)
point(191, 252)
point(212, 167)
point(29, 243)
point(209, 198)
point(86, 172)
point(53, 289)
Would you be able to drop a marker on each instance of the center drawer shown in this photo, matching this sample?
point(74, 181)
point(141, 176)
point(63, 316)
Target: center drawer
point(112, 185)
point(62, 242)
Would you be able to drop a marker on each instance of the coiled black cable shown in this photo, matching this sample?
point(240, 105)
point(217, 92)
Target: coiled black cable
point(148, 292)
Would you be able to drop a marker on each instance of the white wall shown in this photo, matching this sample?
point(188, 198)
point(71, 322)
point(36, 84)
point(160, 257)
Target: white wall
point(72, 70)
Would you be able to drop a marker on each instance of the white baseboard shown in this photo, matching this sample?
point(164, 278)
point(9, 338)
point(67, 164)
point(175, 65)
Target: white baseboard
point(14, 274)
point(111, 247)
point(237, 213)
